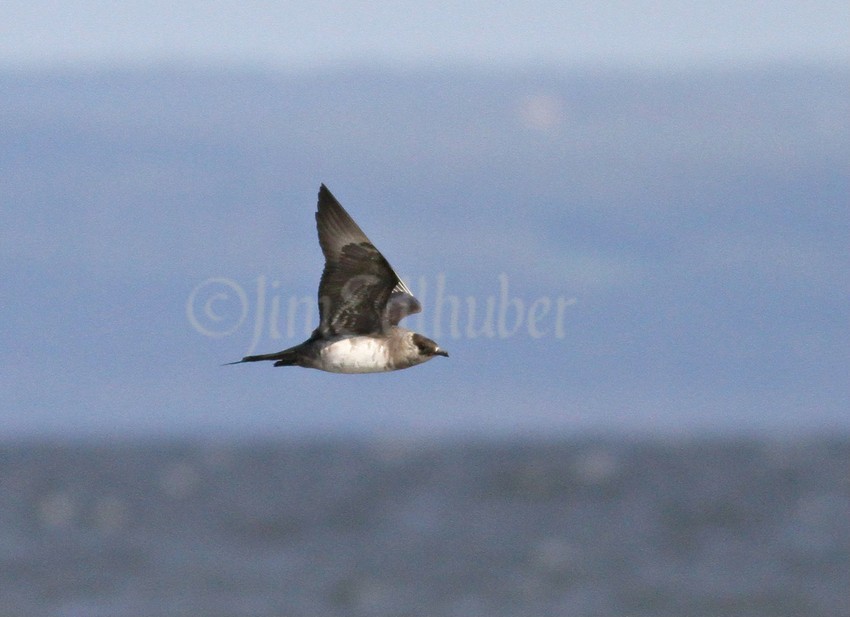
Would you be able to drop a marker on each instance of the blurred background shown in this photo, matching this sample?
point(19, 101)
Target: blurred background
point(626, 221)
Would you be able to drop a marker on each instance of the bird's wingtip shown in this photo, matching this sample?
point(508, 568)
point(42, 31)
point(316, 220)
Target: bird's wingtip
point(325, 196)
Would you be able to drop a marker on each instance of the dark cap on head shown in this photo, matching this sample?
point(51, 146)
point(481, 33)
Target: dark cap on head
point(427, 347)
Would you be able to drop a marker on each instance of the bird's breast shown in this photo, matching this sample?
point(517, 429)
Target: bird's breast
point(357, 354)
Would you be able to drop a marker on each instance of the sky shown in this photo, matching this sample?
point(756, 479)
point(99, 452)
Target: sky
point(626, 218)
point(298, 35)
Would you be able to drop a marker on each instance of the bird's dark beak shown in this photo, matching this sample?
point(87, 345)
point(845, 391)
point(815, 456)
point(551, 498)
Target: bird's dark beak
point(441, 352)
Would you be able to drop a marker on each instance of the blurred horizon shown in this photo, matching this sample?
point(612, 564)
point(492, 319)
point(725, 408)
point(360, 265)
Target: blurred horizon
point(695, 222)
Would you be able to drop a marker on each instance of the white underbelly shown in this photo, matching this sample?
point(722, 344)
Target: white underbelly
point(359, 354)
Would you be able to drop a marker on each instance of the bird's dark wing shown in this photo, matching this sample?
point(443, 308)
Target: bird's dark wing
point(357, 281)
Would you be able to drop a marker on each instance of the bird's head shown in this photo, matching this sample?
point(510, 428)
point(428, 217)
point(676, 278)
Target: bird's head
point(428, 348)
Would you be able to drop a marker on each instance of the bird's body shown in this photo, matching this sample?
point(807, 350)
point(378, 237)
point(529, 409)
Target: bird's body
point(354, 354)
point(361, 301)
point(346, 353)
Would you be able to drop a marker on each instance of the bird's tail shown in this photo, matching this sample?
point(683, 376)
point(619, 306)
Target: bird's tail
point(287, 357)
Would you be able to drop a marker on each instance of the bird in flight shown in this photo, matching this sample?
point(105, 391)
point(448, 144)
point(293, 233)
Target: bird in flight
point(361, 301)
